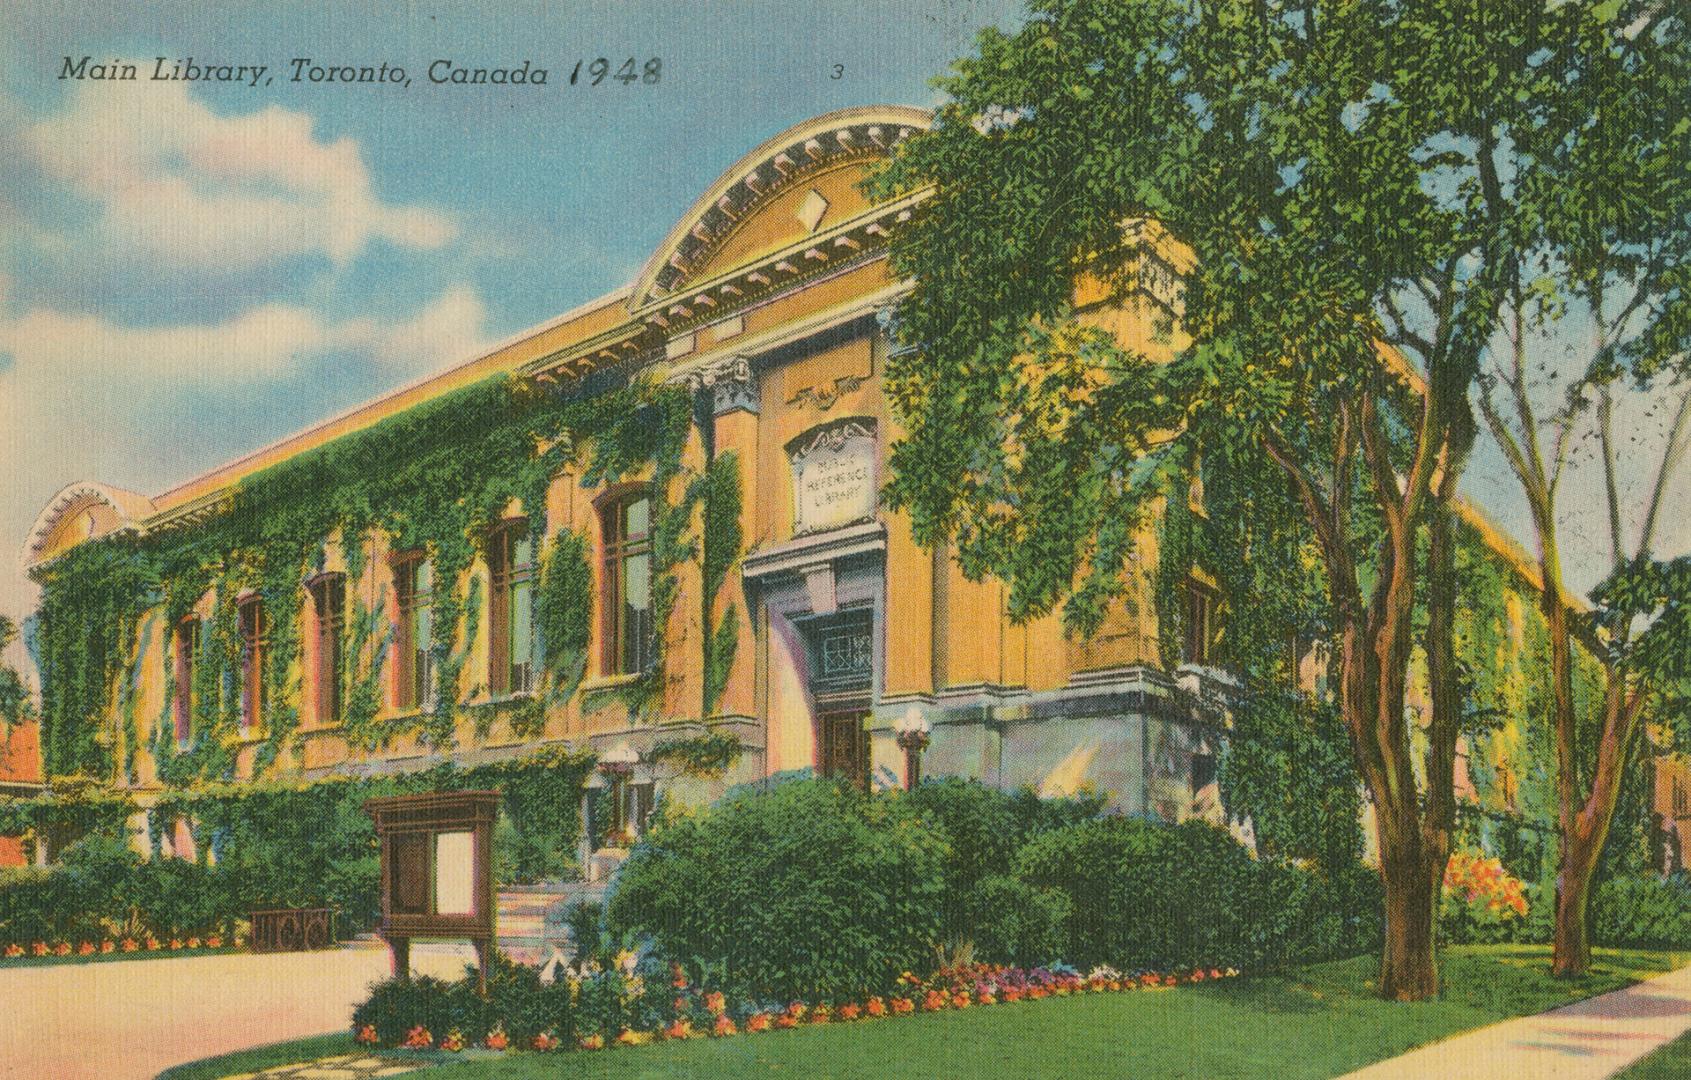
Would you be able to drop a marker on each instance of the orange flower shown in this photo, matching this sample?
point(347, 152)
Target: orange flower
point(497, 1039)
point(193, 943)
point(724, 1026)
point(758, 1021)
point(876, 1007)
point(851, 1010)
point(13, 951)
point(821, 1014)
point(453, 1042)
point(214, 942)
point(176, 943)
point(62, 949)
point(681, 1029)
point(715, 1003)
point(418, 1038)
point(786, 1020)
point(626, 1037)
point(108, 946)
point(903, 1006)
point(85, 949)
point(935, 1001)
point(797, 1010)
point(130, 944)
point(547, 1041)
point(367, 1035)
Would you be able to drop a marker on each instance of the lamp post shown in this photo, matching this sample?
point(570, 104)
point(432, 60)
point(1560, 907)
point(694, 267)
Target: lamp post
point(912, 730)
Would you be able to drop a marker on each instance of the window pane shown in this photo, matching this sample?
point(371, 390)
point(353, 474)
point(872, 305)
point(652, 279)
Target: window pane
point(637, 518)
point(522, 633)
point(522, 548)
point(423, 583)
point(455, 873)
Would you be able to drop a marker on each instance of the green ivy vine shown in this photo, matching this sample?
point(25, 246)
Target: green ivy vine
point(433, 478)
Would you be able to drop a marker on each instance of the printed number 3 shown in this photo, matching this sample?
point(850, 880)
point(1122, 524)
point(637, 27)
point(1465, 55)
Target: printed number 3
point(839, 69)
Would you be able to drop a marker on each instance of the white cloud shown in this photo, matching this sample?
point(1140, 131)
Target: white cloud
point(55, 348)
point(82, 397)
point(176, 181)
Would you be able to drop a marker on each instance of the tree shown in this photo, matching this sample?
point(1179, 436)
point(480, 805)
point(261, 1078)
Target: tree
point(14, 698)
point(1352, 216)
point(1614, 263)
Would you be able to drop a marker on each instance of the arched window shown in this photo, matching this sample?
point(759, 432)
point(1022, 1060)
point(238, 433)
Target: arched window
point(255, 632)
point(184, 640)
point(626, 584)
point(328, 595)
point(510, 609)
point(413, 581)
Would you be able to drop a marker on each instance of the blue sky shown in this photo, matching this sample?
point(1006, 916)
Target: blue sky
point(199, 269)
point(190, 271)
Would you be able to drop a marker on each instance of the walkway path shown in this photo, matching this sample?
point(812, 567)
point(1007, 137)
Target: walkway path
point(126, 1020)
point(1588, 1040)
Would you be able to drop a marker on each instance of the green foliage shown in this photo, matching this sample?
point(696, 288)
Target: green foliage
point(1643, 912)
point(1287, 767)
point(721, 543)
point(707, 756)
point(1017, 923)
point(1176, 897)
point(14, 699)
point(395, 1006)
point(563, 613)
point(985, 828)
point(806, 890)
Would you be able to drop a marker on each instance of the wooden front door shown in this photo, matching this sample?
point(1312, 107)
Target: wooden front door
point(844, 746)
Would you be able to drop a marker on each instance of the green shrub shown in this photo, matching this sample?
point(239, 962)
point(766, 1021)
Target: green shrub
point(985, 828)
point(1643, 912)
point(395, 1006)
point(808, 889)
point(1148, 895)
point(515, 998)
point(1012, 922)
point(31, 904)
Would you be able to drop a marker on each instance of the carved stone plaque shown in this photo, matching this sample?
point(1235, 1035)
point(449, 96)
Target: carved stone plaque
point(834, 477)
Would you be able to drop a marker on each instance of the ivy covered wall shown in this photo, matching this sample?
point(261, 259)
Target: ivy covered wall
point(432, 479)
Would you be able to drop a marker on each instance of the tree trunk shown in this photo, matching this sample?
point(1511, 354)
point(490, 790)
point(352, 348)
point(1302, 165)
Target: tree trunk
point(1408, 970)
point(1571, 945)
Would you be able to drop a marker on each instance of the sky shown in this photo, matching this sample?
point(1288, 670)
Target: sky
point(190, 270)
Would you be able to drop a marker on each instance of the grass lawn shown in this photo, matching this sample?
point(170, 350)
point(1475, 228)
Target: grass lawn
point(1318, 1021)
point(1670, 1062)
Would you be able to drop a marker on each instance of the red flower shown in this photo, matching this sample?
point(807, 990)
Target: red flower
point(497, 1039)
point(367, 1035)
point(724, 1026)
point(418, 1038)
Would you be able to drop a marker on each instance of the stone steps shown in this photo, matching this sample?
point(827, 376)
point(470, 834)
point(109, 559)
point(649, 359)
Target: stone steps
point(530, 922)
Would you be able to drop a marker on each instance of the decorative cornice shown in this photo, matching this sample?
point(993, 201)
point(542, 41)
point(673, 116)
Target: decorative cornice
point(773, 167)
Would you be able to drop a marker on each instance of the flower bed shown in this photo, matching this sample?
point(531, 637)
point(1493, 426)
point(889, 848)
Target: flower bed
point(692, 1012)
point(91, 947)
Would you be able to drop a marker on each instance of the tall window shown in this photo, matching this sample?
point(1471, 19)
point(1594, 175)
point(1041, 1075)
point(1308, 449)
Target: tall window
point(627, 585)
point(511, 658)
point(1202, 624)
point(255, 632)
point(328, 594)
point(414, 583)
point(182, 656)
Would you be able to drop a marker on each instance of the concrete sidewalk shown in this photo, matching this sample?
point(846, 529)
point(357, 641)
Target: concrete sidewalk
point(126, 1020)
point(1588, 1040)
